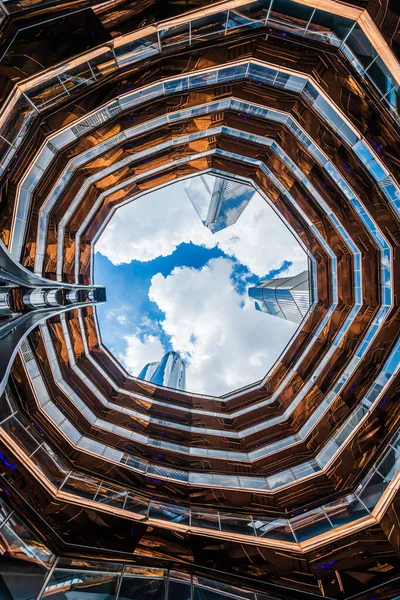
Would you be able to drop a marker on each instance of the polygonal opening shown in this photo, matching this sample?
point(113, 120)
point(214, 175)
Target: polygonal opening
point(205, 284)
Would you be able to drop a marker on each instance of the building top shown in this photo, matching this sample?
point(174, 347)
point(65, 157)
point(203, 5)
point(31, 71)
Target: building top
point(220, 204)
point(169, 372)
point(284, 297)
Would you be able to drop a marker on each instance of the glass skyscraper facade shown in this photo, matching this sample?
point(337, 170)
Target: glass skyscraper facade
point(169, 372)
point(148, 371)
point(114, 489)
point(219, 202)
point(284, 297)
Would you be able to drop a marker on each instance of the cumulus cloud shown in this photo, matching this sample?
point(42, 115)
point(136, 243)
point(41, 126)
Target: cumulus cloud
point(152, 226)
point(156, 224)
point(261, 241)
point(140, 352)
point(225, 341)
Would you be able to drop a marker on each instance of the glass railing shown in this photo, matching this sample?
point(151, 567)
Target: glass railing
point(328, 453)
point(373, 329)
point(145, 419)
point(371, 332)
point(30, 571)
point(243, 107)
point(328, 166)
point(284, 16)
point(116, 581)
point(16, 6)
point(304, 526)
point(25, 561)
point(368, 222)
point(78, 198)
point(15, 330)
point(387, 279)
point(254, 71)
point(52, 199)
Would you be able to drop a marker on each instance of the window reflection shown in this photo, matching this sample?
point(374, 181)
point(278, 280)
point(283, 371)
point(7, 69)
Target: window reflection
point(69, 585)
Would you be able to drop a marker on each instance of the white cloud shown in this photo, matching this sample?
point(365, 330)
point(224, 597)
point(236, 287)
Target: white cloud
point(261, 241)
point(151, 226)
point(154, 225)
point(118, 314)
point(138, 353)
point(226, 345)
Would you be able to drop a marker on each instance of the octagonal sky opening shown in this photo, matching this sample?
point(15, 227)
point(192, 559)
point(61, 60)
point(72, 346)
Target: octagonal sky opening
point(178, 265)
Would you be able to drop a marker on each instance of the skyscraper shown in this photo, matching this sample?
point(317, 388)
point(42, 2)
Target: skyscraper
point(288, 489)
point(148, 371)
point(169, 372)
point(284, 297)
point(220, 203)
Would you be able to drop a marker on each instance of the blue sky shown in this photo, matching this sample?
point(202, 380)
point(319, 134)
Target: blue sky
point(131, 282)
point(128, 290)
point(171, 284)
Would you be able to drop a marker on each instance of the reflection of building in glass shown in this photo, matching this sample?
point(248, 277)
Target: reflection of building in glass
point(169, 372)
point(218, 205)
point(284, 297)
